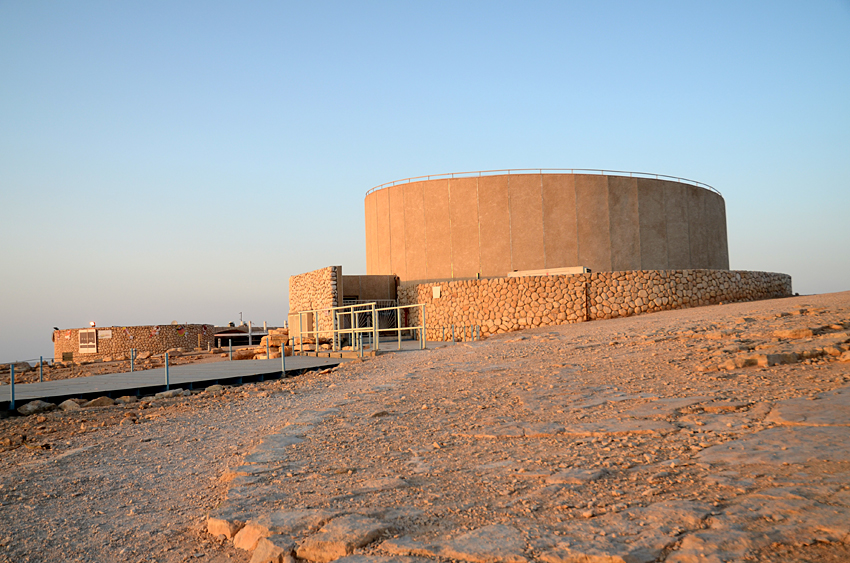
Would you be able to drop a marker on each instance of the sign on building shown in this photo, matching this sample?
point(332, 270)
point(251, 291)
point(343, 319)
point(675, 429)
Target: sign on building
point(104, 334)
point(88, 341)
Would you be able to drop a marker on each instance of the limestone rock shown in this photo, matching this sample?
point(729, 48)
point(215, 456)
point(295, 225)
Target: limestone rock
point(35, 407)
point(795, 333)
point(273, 549)
point(615, 426)
point(829, 409)
point(170, 394)
point(768, 360)
point(243, 354)
point(289, 523)
point(70, 405)
point(496, 543)
point(126, 399)
point(382, 559)
point(340, 537)
point(100, 402)
point(223, 525)
point(383, 484)
point(637, 535)
point(575, 476)
point(780, 445)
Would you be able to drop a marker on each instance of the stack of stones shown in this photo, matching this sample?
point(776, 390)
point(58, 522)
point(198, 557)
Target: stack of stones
point(506, 304)
point(316, 290)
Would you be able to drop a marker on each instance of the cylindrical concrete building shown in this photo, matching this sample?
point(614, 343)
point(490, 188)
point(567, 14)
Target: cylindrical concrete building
point(490, 224)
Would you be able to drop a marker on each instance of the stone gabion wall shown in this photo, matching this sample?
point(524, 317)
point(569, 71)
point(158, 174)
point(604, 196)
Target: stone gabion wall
point(155, 339)
point(316, 290)
point(506, 304)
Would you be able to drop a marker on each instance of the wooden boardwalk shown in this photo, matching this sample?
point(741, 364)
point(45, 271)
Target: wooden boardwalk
point(192, 376)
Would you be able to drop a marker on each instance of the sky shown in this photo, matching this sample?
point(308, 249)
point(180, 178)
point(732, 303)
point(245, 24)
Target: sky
point(179, 160)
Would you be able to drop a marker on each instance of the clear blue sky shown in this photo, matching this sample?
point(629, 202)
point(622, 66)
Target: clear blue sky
point(168, 161)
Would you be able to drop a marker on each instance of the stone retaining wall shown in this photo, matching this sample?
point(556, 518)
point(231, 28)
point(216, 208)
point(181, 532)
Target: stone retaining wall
point(506, 304)
point(116, 341)
point(316, 290)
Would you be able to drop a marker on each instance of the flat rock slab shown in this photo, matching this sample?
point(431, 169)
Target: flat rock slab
point(575, 476)
point(784, 445)
point(724, 406)
point(273, 549)
point(381, 484)
point(382, 559)
point(615, 426)
point(637, 535)
point(758, 520)
point(340, 537)
point(828, 409)
point(283, 523)
point(496, 543)
point(527, 430)
point(662, 408)
point(491, 544)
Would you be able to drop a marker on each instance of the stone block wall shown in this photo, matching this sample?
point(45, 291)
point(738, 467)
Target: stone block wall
point(155, 339)
point(318, 289)
point(506, 304)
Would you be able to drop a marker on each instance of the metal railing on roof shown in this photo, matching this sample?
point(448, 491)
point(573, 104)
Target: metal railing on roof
point(544, 171)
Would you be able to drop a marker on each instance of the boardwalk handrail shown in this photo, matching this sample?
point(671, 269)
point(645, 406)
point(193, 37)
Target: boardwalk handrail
point(355, 331)
point(599, 171)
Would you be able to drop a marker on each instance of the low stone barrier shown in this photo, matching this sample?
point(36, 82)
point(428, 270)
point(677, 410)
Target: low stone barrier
point(506, 304)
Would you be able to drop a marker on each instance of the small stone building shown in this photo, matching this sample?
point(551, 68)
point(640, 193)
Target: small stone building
point(115, 342)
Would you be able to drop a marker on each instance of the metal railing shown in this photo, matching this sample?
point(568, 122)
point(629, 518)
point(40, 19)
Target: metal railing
point(544, 171)
point(351, 323)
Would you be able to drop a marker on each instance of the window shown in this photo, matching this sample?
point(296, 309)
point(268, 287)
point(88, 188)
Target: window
point(88, 341)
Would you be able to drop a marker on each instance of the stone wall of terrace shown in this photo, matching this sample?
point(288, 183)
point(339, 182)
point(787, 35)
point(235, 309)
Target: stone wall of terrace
point(506, 304)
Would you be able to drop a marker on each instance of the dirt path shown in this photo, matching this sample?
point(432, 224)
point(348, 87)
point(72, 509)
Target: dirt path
point(612, 438)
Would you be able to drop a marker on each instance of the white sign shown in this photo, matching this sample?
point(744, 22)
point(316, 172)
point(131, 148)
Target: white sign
point(436, 290)
point(104, 334)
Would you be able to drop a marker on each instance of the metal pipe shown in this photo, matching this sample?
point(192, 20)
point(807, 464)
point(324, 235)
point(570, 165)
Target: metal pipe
point(41, 369)
point(424, 332)
point(541, 171)
point(12, 381)
point(268, 350)
point(132, 359)
point(166, 371)
point(377, 335)
point(230, 348)
point(453, 334)
point(398, 325)
point(283, 357)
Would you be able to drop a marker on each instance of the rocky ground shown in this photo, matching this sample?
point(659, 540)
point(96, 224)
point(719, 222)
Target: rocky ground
point(710, 434)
